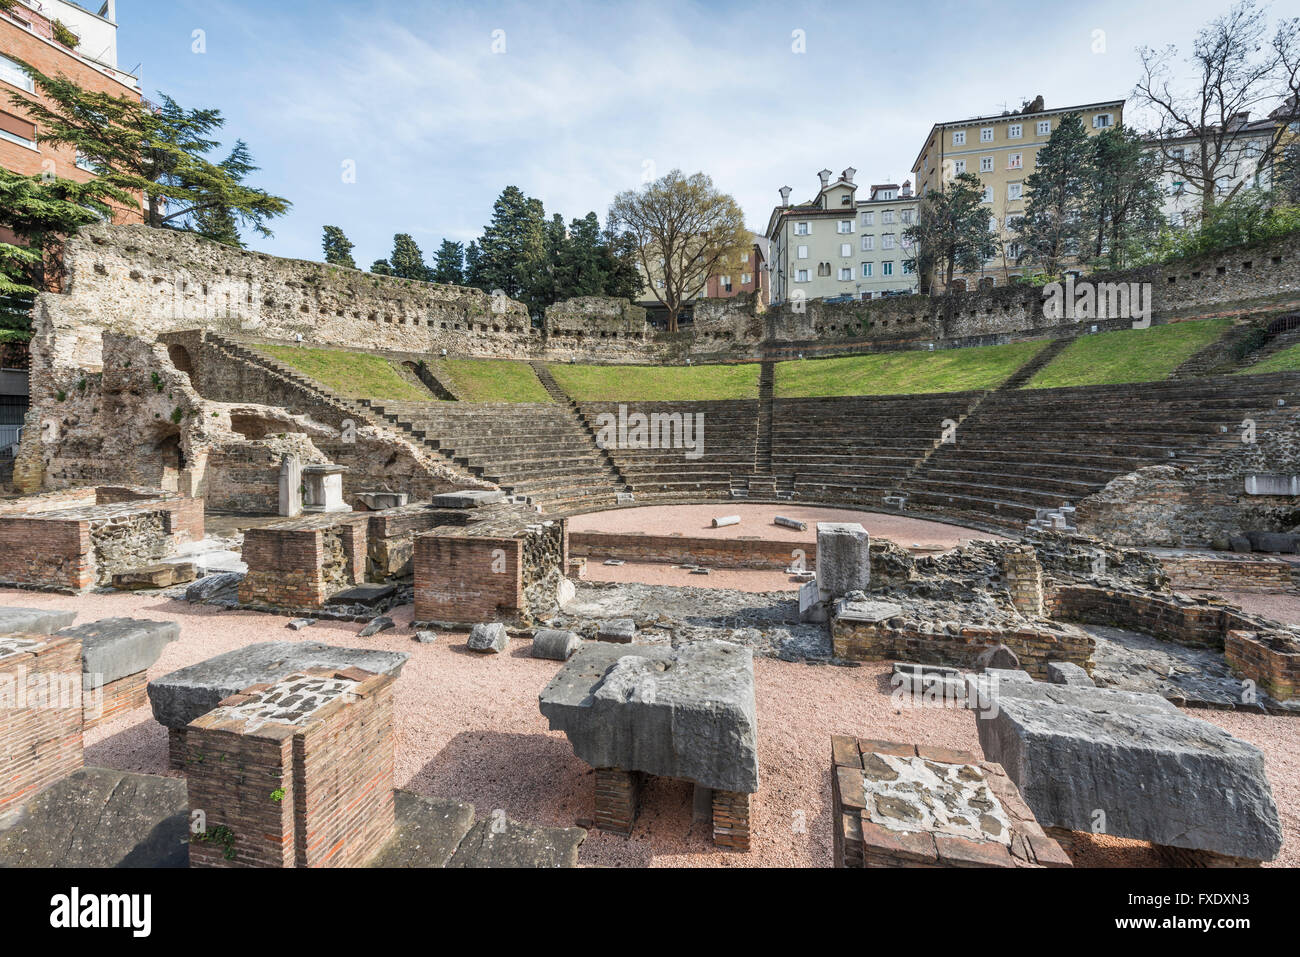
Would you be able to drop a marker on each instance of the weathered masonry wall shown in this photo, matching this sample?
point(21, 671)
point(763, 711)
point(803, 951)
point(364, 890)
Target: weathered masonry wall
point(143, 282)
point(40, 695)
point(302, 562)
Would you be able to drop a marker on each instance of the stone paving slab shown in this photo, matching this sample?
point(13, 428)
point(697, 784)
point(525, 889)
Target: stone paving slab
point(429, 829)
point(116, 647)
point(180, 697)
point(34, 621)
point(101, 817)
point(511, 844)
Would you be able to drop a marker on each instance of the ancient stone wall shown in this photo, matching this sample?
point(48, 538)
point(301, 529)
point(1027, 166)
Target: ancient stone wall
point(302, 562)
point(40, 694)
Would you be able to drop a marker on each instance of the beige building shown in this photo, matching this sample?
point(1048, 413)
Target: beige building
point(1001, 151)
point(837, 245)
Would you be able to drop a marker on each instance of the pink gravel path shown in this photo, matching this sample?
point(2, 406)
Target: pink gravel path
point(656, 573)
point(1280, 607)
point(469, 728)
point(756, 519)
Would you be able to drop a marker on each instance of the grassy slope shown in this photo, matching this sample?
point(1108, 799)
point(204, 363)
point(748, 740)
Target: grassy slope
point(1288, 360)
point(904, 373)
point(1128, 355)
point(647, 383)
point(357, 375)
point(490, 380)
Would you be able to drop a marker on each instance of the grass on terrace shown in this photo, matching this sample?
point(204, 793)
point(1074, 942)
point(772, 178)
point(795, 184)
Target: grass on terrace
point(489, 380)
point(647, 383)
point(904, 373)
point(354, 375)
point(1128, 355)
point(1288, 360)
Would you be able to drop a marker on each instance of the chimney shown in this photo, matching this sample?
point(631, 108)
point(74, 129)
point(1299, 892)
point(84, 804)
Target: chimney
point(1238, 120)
point(907, 188)
point(785, 195)
point(825, 176)
point(848, 174)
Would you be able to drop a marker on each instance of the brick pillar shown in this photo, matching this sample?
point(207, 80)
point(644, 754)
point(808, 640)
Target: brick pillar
point(40, 714)
point(731, 819)
point(1023, 576)
point(298, 773)
point(617, 795)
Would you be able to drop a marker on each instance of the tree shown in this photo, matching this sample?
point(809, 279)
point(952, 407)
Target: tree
point(1124, 202)
point(1056, 195)
point(158, 152)
point(622, 275)
point(474, 267)
point(449, 263)
point(511, 251)
point(381, 267)
point(338, 248)
point(1286, 175)
point(39, 212)
point(685, 231)
point(407, 260)
point(1235, 70)
point(584, 262)
point(952, 229)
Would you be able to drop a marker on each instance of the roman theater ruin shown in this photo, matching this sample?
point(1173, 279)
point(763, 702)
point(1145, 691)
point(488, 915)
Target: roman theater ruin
point(584, 622)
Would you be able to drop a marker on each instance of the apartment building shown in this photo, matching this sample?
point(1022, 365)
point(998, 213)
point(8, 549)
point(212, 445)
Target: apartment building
point(1247, 161)
point(55, 36)
point(749, 274)
point(837, 246)
point(1002, 151)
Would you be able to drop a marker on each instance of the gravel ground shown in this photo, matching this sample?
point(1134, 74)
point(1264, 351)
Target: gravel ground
point(655, 573)
point(469, 728)
point(1280, 607)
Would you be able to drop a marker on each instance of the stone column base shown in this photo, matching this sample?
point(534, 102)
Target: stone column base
point(731, 820)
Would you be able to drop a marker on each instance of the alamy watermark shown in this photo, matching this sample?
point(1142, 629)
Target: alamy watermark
point(656, 430)
point(1098, 300)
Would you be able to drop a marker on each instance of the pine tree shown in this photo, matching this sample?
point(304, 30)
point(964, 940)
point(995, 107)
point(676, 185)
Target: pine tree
point(583, 261)
point(338, 248)
point(449, 264)
point(952, 230)
point(407, 260)
point(1052, 228)
point(619, 263)
point(474, 267)
point(381, 267)
point(1123, 208)
point(512, 248)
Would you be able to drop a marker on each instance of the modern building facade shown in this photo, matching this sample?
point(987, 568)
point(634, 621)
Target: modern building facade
point(56, 36)
point(1002, 151)
point(839, 246)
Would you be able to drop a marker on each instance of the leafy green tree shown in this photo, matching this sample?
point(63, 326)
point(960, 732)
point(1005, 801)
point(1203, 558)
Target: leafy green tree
point(952, 230)
point(622, 275)
point(449, 263)
point(158, 152)
point(39, 212)
point(1123, 203)
point(1052, 228)
point(512, 250)
point(338, 248)
point(407, 260)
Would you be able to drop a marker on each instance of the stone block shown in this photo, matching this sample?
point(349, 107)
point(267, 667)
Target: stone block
point(34, 621)
point(555, 645)
point(1277, 542)
point(1156, 774)
point(180, 697)
point(488, 639)
point(843, 559)
point(368, 595)
point(1000, 657)
point(684, 712)
point(811, 607)
point(378, 501)
point(469, 498)
point(163, 575)
point(210, 586)
point(117, 647)
point(1068, 673)
point(618, 630)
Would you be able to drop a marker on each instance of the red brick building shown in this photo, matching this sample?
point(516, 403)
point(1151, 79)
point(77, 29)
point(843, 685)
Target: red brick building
point(751, 276)
point(56, 36)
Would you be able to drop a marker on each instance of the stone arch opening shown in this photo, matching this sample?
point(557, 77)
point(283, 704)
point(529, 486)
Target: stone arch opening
point(180, 357)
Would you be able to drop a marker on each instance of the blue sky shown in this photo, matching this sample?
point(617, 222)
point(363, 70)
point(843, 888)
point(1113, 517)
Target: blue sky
point(587, 98)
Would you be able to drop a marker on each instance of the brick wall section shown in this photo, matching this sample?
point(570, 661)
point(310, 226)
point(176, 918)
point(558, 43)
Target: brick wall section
point(1034, 645)
point(1023, 576)
point(1195, 623)
point(468, 579)
point(302, 562)
point(1230, 574)
point(1271, 661)
point(40, 715)
point(115, 699)
point(713, 552)
point(311, 793)
point(46, 554)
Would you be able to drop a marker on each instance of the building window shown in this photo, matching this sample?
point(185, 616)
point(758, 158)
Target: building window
point(801, 275)
point(13, 74)
point(17, 130)
point(801, 252)
point(887, 194)
point(1015, 161)
point(887, 241)
point(1102, 120)
point(746, 278)
point(846, 275)
point(1013, 190)
point(959, 138)
point(868, 219)
point(906, 215)
point(802, 229)
point(744, 258)
point(986, 134)
point(988, 194)
point(84, 163)
point(866, 270)
point(986, 164)
point(887, 269)
point(1044, 127)
point(887, 217)
point(846, 250)
point(909, 267)
point(868, 243)
point(1014, 251)
point(846, 225)
point(958, 167)
point(1013, 131)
